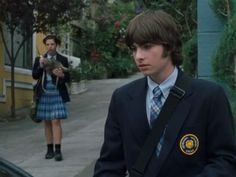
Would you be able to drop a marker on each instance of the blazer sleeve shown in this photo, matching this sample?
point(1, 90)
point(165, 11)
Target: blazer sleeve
point(65, 63)
point(37, 71)
point(111, 161)
point(221, 151)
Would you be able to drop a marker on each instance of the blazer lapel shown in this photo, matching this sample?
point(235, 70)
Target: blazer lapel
point(171, 134)
point(137, 117)
point(173, 129)
point(58, 57)
point(174, 126)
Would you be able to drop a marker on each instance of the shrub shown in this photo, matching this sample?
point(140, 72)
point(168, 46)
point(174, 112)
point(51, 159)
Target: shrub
point(190, 56)
point(224, 56)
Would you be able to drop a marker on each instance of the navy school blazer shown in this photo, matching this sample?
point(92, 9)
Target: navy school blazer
point(199, 139)
point(37, 74)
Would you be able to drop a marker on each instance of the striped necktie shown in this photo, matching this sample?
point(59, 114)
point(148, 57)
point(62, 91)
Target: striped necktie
point(156, 105)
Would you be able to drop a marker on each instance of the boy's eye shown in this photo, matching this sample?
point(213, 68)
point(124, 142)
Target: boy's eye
point(147, 46)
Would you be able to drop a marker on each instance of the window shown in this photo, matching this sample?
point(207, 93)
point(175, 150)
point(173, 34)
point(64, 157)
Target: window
point(24, 58)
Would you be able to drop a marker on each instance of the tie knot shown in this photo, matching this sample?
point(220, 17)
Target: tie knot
point(156, 91)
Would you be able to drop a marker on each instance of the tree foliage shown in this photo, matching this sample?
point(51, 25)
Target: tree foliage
point(40, 15)
point(185, 13)
point(190, 56)
point(224, 9)
point(224, 57)
point(103, 42)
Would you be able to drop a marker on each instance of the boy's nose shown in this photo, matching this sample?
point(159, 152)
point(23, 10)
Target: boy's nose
point(138, 54)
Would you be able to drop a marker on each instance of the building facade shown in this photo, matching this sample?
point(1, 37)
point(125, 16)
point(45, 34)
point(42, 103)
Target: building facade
point(209, 30)
point(23, 73)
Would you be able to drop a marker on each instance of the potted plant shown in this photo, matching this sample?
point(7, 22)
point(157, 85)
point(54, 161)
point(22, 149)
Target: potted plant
point(75, 74)
point(77, 85)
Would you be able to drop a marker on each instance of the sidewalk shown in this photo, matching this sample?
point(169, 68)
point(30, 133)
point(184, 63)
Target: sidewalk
point(22, 142)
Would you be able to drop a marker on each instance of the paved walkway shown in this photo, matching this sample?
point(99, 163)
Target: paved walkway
point(22, 142)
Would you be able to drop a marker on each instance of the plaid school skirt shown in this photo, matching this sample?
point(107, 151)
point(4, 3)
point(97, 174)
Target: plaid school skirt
point(51, 105)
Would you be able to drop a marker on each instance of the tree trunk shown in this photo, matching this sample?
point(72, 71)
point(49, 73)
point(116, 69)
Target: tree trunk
point(13, 112)
point(12, 59)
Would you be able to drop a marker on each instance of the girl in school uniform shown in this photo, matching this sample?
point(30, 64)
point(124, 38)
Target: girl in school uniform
point(53, 94)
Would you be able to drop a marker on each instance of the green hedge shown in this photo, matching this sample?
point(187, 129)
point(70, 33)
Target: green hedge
point(224, 56)
point(223, 60)
point(190, 56)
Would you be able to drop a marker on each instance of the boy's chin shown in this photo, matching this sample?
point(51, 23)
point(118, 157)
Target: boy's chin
point(52, 53)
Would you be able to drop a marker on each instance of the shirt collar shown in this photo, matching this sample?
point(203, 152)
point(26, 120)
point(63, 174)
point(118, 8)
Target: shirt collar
point(166, 85)
point(51, 56)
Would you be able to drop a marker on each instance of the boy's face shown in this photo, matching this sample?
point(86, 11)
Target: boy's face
point(51, 45)
point(151, 62)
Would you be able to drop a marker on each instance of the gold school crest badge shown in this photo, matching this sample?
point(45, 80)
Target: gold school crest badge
point(189, 144)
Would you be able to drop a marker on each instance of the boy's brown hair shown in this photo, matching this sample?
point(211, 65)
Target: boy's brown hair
point(53, 37)
point(156, 27)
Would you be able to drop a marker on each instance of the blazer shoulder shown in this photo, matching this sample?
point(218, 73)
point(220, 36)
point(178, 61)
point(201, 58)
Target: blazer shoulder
point(36, 60)
point(133, 87)
point(206, 86)
point(62, 57)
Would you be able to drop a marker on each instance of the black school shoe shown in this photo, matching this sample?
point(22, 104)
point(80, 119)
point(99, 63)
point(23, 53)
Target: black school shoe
point(58, 156)
point(49, 155)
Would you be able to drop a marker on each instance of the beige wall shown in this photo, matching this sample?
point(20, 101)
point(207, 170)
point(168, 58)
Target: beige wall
point(41, 49)
point(23, 82)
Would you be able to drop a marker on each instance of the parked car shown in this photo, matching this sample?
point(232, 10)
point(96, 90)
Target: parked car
point(8, 169)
